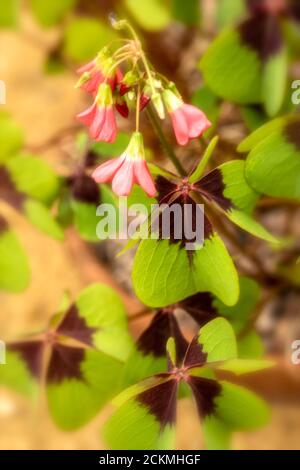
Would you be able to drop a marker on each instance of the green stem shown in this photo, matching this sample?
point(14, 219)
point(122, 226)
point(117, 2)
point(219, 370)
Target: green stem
point(166, 145)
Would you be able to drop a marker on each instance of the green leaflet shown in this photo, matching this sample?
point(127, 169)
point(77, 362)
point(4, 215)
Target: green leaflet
point(163, 273)
point(133, 420)
point(85, 220)
point(43, 186)
point(84, 37)
point(230, 11)
point(236, 187)
point(240, 314)
point(14, 268)
point(245, 366)
point(15, 375)
point(85, 216)
point(232, 70)
point(274, 82)
point(273, 165)
point(103, 309)
point(250, 225)
point(139, 366)
point(188, 13)
point(240, 408)
point(11, 137)
point(151, 15)
point(250, 346)
point(263, 132)
point(216, 434)
point(244, 197)
point(9, 13)
point(72, 403)
point(50, 12)
point(41, 218)
point(218, 340)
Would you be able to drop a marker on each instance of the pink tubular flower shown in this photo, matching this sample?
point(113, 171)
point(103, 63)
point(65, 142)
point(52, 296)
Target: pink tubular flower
point(128, 169)
point(98, 71)
point(188, 121)
point(100, 117)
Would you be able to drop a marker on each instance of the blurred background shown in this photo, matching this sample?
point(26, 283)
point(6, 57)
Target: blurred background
point(42, 44)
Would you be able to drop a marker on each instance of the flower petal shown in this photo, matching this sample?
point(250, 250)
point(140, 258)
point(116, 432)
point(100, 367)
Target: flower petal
point(180, 126)
point(124, 179)
point(87, 117)
point(105, 172)
point(107, 131)
point(98, 122)
point(144, 178)
point(87, 67)
point(196, 120)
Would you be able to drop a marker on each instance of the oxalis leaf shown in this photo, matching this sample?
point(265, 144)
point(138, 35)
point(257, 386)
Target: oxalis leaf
point(246, 68)
point(14, 268)
point(81, 374)
point(163, 273)
point(147, 411)
point(273, 164)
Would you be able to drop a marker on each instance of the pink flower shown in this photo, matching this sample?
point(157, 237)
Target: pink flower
point(128, 169)
point(98, 71)
point(188, 121)
point(100, 117)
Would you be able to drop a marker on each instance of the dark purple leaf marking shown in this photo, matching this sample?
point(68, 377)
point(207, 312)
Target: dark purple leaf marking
point(205, 392)
point(294, 9)
point(8, 190)
point(85, 189)
point(154, 339)
point(160, 400)
point(65, 363)
point(31, 352)
point(195, 356)
point(292, 133)
point(181, 193)
point(212, 187)
point(200, 307)
point(75, 326)
point(262, 34)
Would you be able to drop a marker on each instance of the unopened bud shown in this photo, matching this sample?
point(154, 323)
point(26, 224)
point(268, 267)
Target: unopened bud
point(158, 105)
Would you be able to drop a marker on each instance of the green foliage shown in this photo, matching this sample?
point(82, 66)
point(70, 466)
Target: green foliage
point(218, 340)
point(240, 314)
point(40, 216)
point(14, 268)
point(241, 409)
point(84, 37)
point(230, 11)
point(72, 403)
point(102, 308)
point(232, 70)
point(273, 164)
point(9, 13)
point(187, 12)
point(152, 15)
point(11, 137)
point(158, 268)
point(50, 12)
point(114, 149)
point(43, 186)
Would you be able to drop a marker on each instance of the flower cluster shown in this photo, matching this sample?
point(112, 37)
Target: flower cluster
point(138, 87)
